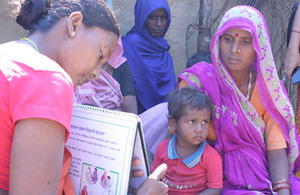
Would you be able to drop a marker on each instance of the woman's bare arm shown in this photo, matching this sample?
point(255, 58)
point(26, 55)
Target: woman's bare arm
point(36, 157)
point(278, 167)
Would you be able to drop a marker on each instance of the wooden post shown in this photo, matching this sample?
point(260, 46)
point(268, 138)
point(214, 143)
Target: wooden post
point(205, 22)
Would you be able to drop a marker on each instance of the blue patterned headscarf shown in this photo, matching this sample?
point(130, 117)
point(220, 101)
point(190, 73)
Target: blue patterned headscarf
point(149, 58)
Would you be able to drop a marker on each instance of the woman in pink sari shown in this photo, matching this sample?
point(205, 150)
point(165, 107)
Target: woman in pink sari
point(253, 118)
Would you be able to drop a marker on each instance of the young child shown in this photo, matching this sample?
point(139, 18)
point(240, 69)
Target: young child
point(194, 167)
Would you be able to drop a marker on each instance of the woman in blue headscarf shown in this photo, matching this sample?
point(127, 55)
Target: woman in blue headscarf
point(148, 54)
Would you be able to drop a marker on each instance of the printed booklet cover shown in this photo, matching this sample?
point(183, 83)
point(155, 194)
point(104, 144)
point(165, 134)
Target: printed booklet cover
point(103, 143)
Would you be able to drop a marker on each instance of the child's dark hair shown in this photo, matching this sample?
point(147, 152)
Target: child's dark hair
point(41, 15)
point(187, 97)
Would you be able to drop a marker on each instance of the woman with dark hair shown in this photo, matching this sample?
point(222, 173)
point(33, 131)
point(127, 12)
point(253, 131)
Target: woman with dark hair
point(68, 43)
point(114, 89)
point(253, 118)
point(148, 54)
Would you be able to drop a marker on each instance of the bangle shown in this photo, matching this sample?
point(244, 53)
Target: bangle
point(282, 184)
point(295, 31)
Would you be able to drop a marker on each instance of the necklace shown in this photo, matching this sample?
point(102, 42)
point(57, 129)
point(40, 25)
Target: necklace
point(249, 85)
point(32, 43)
point(106, 64)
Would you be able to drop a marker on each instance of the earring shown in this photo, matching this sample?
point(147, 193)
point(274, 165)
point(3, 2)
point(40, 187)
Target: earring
point(72, 34)
point(172, 128)
point(239, 51)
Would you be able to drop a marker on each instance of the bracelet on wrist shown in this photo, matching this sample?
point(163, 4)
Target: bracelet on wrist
point(281, 184)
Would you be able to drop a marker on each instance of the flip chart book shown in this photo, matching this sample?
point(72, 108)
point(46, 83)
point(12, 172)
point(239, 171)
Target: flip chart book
point(103, 143)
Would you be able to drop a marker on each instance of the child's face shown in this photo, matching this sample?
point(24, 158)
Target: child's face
point(192, 127)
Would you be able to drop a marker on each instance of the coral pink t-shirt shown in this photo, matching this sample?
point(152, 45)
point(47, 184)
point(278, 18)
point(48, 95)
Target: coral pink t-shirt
point(31, 86)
